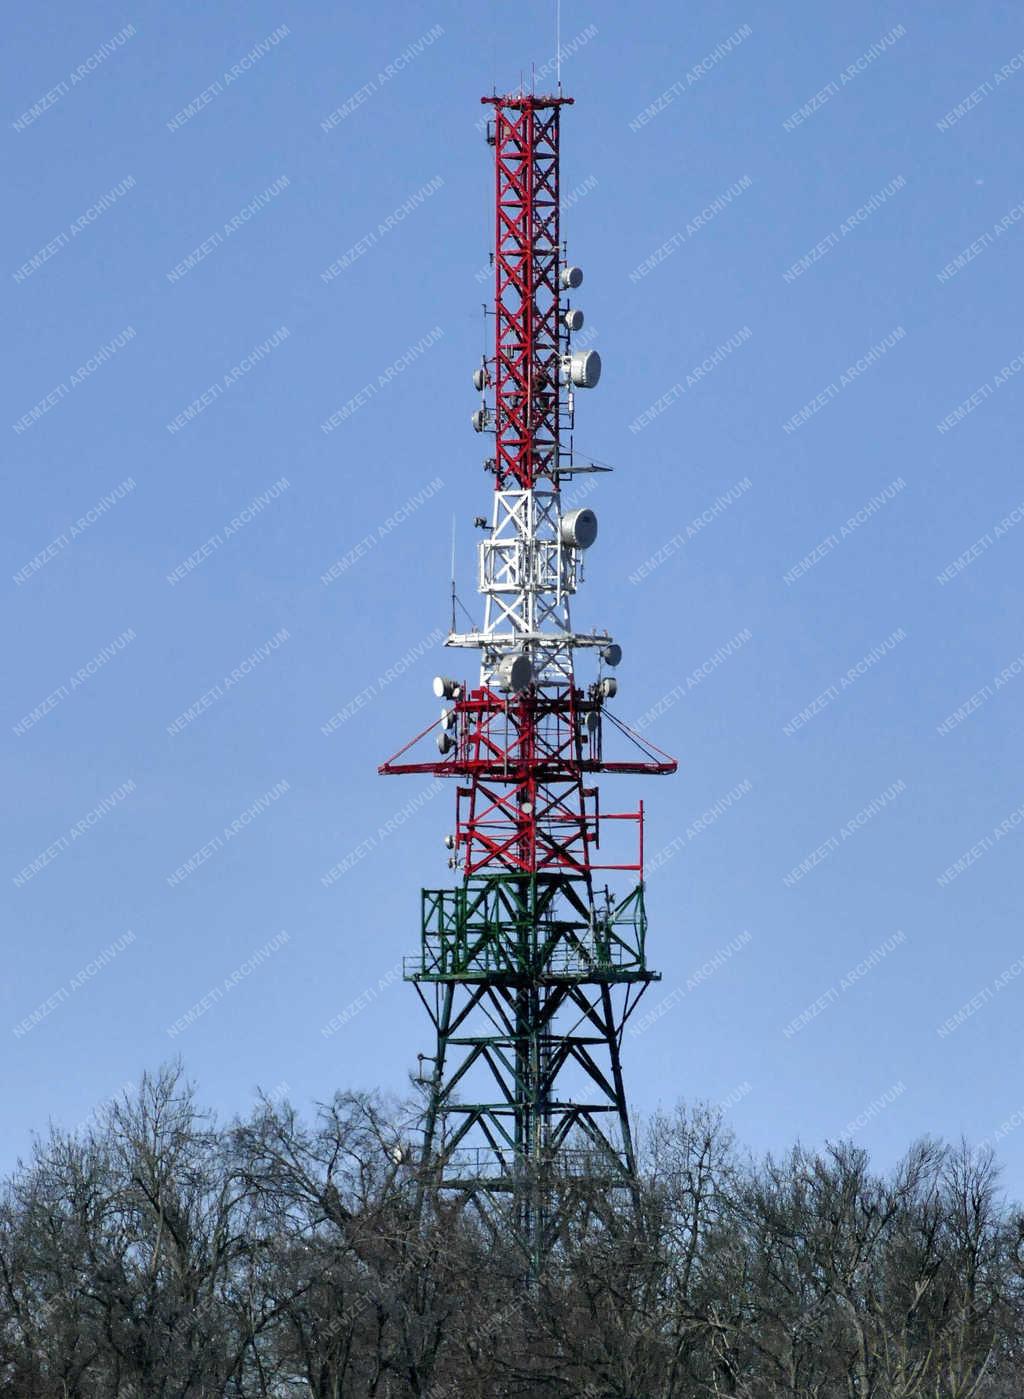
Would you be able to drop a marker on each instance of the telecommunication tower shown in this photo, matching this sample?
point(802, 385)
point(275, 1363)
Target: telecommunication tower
point(531, 965)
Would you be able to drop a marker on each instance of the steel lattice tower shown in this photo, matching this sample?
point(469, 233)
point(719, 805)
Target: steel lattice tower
point(529, 967)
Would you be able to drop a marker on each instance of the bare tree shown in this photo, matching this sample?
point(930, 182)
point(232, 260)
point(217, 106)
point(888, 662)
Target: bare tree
point(157, 1255)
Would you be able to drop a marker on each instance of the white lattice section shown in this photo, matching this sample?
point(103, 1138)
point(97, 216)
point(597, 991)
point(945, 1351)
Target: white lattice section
point(527, 576)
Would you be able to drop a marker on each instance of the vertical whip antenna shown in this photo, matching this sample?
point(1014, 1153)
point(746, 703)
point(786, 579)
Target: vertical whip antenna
point(558, 44)
point(453, 573)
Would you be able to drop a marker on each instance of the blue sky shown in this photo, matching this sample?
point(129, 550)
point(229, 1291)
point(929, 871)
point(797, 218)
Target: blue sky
point(236, 433)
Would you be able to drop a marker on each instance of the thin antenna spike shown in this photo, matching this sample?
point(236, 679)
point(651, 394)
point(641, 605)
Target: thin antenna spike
point(558, 43)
